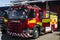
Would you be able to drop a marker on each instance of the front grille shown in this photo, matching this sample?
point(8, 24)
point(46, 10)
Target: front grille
point(14, 27)
point(14, 24)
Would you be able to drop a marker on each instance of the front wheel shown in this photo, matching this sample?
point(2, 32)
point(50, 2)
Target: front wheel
point(35, 33)
point(4, 31)
point(52, 29)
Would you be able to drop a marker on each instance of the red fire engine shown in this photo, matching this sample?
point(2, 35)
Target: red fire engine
point(29, 21)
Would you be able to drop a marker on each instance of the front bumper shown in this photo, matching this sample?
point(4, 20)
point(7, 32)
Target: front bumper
point(24, 35)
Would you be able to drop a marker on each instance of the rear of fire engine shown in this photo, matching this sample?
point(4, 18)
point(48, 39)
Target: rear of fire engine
point(29, 21)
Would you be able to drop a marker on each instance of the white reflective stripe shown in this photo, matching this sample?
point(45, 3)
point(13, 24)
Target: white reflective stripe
point(56, 25)
point(14, 34)
point(22, 35)
point(19, 35)
point(10, 33)
point(28, 34)
point(25, 35)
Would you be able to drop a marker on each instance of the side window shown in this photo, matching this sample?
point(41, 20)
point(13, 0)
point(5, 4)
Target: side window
point(40, 14)
point(26, 11)
point(31, 13)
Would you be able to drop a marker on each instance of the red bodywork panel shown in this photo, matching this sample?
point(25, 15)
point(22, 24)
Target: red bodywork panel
point(46, 24)
point(17, 26)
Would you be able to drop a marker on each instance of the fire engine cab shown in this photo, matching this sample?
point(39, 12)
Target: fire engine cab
point(29, 21)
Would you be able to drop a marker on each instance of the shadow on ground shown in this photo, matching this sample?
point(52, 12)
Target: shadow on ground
point(58, 34)
point(8, 37)
point(58, 30)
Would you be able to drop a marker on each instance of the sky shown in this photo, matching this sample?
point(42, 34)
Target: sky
point(4, 2)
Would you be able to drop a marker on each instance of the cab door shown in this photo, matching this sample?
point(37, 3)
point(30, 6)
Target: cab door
point(32, 19)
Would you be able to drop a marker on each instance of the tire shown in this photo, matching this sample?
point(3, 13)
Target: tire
point(4, 31)
point(52, 29)
point(35, 33)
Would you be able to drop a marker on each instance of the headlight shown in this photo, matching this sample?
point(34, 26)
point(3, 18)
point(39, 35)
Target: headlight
point(5, 20)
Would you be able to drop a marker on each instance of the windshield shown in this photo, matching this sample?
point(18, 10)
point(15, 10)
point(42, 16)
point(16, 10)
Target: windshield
point(17, 13)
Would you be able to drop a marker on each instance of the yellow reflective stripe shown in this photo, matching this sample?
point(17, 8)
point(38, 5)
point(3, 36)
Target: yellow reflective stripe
point(32, 21)
point(45, 20)
point(50, 22)
point(55, 16)
point(39, 23)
